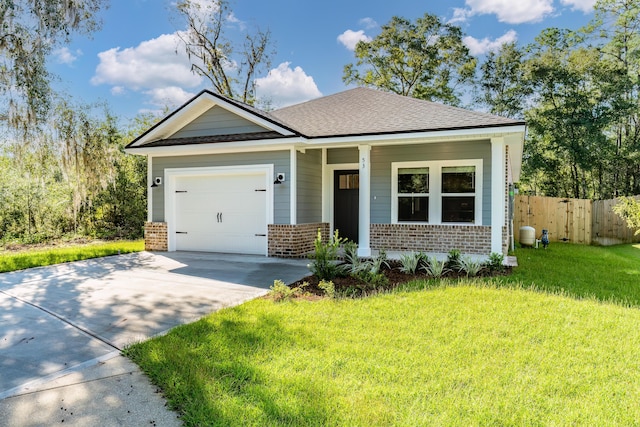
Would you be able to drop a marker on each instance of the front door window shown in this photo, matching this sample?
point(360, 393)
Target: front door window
point(346, 194)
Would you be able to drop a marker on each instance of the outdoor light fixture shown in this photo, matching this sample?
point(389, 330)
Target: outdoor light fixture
point(279, 178)
point(156, 182)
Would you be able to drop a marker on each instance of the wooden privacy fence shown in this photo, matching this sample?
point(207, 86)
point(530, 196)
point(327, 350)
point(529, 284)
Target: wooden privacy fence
point(568, 220)
point(607, 227)
point(572, 220)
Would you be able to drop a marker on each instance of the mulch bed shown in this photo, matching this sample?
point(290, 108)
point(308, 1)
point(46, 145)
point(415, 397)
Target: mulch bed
point(393, 274)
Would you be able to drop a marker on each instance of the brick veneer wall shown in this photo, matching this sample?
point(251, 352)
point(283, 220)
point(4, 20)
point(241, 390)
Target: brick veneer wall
point(155, 236)
point(294, 241)
point(469, 239)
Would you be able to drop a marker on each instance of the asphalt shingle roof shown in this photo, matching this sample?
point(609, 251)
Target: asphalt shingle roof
point(354, 112)
point(363, 111)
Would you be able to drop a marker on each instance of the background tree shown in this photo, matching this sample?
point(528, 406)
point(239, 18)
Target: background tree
point(230, 68)
point(425, 59)
point(569, 115)
point(502, 86)
point(616, 33)
point(29, 31)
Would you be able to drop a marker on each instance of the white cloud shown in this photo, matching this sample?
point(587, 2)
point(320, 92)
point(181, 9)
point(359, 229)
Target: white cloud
point(152, 67)
point(368, 23)
point(285, 86)
point(513, 12)
point(585, 6)
point(168, 96)
point(480, 47)
point(118, 90)
point(65, 56)
point(351, 38)
point(460, 15)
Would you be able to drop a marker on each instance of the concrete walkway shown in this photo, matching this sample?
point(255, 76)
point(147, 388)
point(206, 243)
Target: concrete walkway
point(62, 329)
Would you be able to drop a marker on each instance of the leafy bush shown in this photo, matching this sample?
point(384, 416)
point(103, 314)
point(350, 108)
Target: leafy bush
point(469, 266)
point(495, 262)
point(328, 287)
point(629, 209)
point(324, 264)
point(280, 291)
point(453, 258)
point(353, 263)
point(409, 262)
point(375, 265)
point(435, 268)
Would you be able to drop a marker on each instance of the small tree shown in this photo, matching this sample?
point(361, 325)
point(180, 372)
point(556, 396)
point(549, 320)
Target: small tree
point(230, 68)
point(629, 209)
point(425, 59)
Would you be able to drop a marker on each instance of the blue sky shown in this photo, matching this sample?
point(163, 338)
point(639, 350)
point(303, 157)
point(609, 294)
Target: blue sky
point(131, 63)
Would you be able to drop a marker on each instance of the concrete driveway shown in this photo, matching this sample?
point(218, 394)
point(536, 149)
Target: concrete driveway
point(62, 329)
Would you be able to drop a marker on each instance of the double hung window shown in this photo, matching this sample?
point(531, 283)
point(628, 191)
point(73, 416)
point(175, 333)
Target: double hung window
point(445, 192)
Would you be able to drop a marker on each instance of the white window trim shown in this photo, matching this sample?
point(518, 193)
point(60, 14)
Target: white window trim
point(435, 189)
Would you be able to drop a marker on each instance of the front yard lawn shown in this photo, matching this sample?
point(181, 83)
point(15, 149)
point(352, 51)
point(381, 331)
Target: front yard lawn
point(38, 257)
point(540, 347)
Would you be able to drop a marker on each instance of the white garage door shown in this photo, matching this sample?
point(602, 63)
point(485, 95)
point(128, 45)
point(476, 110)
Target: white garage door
point(221, 213)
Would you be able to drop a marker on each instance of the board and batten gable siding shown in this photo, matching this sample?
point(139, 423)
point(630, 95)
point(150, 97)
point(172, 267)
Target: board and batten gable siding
point(309, 186)
point(217, 121)
point(383, 156)
point(281, 161)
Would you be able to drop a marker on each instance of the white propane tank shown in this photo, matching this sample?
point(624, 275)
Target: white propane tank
point(527, 236)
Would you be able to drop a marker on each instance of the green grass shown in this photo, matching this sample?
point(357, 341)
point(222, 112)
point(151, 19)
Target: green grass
point(543, 347)
point(12, 261)
point(606, 273)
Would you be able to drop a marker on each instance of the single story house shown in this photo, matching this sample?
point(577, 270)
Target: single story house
point(389, 172)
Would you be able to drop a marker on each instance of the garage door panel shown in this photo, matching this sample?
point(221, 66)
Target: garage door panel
point(221, 213)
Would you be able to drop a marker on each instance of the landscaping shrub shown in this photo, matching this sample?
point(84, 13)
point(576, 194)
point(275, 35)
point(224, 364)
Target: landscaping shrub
point(470, 267)
point(328, 287)
point(324, 263)
point(435, 268)
point(495, 262)
point(453, 258)
point(280, 291)
point(409, 262)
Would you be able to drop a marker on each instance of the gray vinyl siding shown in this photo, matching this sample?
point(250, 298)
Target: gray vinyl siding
point(217, 121)
point(342, 155)
point(382, 157)
point(309, 186)
point(280, 159)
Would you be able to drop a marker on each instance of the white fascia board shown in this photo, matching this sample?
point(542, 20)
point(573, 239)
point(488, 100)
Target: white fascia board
point(418, 137)
point(219, 147)
point(197, 107)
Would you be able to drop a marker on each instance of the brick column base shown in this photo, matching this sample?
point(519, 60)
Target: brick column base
point(295, 241)
point(155, 236)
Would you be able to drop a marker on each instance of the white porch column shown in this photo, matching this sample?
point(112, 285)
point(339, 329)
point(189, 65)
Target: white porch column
point(364, 220)
point(149, 189)
point(293, 187)
point(326, 190)
point(498, 193)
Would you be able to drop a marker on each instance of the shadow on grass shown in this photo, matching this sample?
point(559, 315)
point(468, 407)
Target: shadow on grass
point(223, 381)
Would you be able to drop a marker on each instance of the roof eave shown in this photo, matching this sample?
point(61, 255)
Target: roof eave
point(198, 105)
point(475, 132)
point(217, 147)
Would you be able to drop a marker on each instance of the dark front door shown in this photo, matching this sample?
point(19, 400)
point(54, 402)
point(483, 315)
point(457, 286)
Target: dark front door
point(346, 186)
